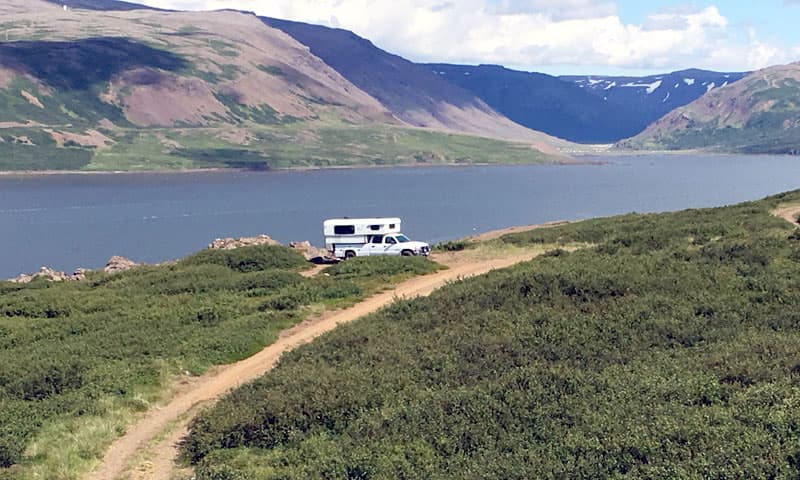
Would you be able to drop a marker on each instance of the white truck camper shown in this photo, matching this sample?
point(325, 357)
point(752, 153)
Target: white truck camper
point(362, 237)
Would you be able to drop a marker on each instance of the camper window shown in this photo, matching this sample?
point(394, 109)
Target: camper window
point(344, 229)
point(374, 228)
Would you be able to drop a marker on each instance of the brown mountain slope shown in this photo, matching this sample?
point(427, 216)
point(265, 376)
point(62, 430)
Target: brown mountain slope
point(758, 114)
point(176, 90)
point(233, 57)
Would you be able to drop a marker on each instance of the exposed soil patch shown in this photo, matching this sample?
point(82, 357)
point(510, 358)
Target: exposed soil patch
point(92, 138)
point(31, 98)
point(19, 124)
point(790, 214)
point(161, 99)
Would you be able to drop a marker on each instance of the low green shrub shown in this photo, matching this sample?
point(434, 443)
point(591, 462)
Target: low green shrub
point(452, 246)
point(250, 259)
point(362, 267)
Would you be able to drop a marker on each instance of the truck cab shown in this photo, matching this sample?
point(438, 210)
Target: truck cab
point(361, 237)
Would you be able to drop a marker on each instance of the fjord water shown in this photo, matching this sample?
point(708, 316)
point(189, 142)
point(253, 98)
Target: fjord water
point(70, 221)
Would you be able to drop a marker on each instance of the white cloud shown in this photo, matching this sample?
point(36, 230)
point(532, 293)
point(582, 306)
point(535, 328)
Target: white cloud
point(528, 34)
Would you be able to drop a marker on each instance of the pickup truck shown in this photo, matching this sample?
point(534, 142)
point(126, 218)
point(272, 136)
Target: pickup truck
point(397, 244)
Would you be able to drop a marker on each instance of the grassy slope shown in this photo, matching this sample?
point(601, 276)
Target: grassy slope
point(77, 360)
point(671, 349)
point(317, 143)
point(307, 144)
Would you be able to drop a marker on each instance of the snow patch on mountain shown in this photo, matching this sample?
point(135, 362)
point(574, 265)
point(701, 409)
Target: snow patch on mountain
point(689, 81)
point(651, 87)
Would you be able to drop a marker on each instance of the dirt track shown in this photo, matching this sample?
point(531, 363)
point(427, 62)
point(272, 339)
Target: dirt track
point(158, 461)
point(790, 214)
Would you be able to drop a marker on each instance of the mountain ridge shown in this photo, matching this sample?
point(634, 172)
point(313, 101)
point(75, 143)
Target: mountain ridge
point(542, 102)
point(578, 108)
point(758, 114)
point(411, 91)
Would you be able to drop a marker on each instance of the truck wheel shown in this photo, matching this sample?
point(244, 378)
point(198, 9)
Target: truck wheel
point(407, 253)
point(349, 254)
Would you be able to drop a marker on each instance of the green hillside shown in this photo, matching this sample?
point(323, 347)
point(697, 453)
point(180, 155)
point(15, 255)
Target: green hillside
point(669, 349)
point(78, 360)
point(759, 114)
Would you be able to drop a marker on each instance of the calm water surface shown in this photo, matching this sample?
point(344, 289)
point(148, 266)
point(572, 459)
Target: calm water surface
point(70, 221)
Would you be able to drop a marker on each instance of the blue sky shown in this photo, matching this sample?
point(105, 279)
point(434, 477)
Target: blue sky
point(767, 16)
point(557, 36)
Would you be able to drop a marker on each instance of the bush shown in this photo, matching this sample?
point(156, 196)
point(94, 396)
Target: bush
point(453, 246)
point(362, 267)
point(250, 259)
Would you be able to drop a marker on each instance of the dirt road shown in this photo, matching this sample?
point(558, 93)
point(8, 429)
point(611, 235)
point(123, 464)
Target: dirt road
point(790, 213)
point(155, 459)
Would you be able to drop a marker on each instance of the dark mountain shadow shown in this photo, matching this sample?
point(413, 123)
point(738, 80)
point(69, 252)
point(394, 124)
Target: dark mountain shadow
point(545, 103)
point(397, 83)
point(79, 64)
point(105, 5)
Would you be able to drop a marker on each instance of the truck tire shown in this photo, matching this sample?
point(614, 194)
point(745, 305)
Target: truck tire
point(349, 254)
point(407, 253)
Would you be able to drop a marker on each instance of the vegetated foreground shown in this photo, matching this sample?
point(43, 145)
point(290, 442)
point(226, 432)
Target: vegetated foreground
point(79, 359)
point(671, 349)
point(149, 447)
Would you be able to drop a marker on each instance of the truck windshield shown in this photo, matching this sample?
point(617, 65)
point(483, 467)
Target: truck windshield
point(402, 239)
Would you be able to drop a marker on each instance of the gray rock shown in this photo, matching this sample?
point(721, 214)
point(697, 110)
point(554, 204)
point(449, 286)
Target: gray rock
point(118, 264)
point(232, 243)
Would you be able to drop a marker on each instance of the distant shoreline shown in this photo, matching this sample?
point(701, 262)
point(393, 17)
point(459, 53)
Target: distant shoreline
point(576, 158)
point(36, 173)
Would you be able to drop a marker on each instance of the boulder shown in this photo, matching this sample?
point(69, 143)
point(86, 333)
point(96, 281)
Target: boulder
point(46, 273)
point(312, 253)
point(79, 274)
point(119, 264)
point(232, 243)
point(24, 278)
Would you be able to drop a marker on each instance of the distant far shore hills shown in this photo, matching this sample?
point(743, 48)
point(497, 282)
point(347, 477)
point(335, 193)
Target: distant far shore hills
point(143, 89)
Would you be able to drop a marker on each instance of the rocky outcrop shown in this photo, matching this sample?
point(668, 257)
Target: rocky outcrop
point(51, 275)
point(231, 243)
point(312, 253)
point(115, 264)
point(119, 264)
